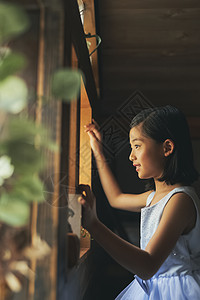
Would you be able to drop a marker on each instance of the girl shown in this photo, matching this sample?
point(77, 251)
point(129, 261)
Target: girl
point(167, 266)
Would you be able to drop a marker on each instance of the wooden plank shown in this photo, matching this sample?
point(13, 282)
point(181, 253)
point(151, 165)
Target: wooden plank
point(115, 89)
point(154, 39)
point(187, 100)
point(160, 79)
point(150, 28)
point(112, 4)
point(73, 138)
point(151, 19)
point(149, 57)
point(161, 75)
point(78, 38)
point(47, 218)
point(85, 155)
point(90, 27)
point(38, 110)
point(143, 53)
point(159, 66)
point(120, 94)
point(85, 159)
point(153, 70)
point(156, 76)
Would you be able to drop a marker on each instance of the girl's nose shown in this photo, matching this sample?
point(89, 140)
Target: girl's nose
point(131, 156)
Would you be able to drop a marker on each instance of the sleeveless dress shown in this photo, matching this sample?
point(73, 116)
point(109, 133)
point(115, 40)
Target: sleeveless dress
point(179, 276)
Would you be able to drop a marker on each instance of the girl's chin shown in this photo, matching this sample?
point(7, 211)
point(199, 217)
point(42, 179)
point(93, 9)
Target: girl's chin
point(142, 176)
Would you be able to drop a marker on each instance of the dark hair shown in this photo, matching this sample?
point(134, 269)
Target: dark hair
point(167, 122)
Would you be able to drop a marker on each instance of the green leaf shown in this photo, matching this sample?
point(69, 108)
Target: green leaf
point(30, 189)
point(25, 157)
point(6, 169)
point(13, 94)
point(66, 84)
point(25, 129)
point(13, 211)
point(13, 21)
point(11, 64)
point(25, 142)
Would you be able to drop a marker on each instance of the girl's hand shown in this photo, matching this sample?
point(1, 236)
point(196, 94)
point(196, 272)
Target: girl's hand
point(88, 201)
point(93, 130)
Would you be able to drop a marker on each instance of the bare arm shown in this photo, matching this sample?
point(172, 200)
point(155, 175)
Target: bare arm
point(178, 217)
point(117, 199)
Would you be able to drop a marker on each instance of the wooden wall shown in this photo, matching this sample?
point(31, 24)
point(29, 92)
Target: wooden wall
point(153, 47)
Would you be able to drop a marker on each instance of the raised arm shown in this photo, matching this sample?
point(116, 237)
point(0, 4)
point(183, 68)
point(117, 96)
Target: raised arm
point(117, 199)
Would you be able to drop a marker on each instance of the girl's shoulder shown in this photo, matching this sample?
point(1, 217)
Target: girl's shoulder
point(181, 206)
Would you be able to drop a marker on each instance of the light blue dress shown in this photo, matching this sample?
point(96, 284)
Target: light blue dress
point(179, 276)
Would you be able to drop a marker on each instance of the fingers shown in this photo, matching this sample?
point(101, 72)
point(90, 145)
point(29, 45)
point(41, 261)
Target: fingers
point(97, 133)
point(92, 126)
point(89, 126)
point(91, 134)
point(83, 202)
point(86, 193)
point(93, 131)
point(84, 188)
point(96, 124)
point(94, 135)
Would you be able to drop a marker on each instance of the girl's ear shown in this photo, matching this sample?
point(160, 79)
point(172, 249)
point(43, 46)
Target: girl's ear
point(168, 147)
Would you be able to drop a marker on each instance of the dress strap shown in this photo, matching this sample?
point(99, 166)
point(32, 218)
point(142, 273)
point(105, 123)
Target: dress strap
point(149, 198)
point(189, 190)
point(185, 189)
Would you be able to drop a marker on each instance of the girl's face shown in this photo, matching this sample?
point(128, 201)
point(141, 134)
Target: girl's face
point(147, 155)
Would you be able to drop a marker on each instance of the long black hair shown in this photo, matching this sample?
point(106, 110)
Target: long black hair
point(168, 122)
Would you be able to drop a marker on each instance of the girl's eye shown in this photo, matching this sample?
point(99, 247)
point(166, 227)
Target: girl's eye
point(137, 146)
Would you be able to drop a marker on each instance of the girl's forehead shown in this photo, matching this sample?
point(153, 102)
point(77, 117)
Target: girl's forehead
point(136, 132)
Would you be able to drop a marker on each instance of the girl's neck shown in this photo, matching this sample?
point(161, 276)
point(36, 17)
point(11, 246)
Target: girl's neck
point(162, 187)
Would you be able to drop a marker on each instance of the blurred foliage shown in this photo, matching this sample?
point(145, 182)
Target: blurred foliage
point(6, 169)
point(13, 94)
point(66, 84)
point(23, 142)
point(13, 21)
point(13, 210)
point(10, 63)
point(21, 148)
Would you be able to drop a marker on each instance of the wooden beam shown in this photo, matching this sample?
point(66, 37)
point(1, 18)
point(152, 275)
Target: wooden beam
point(180, 4)
point(90, 27)
point(80, 46)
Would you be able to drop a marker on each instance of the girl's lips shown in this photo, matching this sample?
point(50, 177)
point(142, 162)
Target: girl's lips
point(137, 167)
